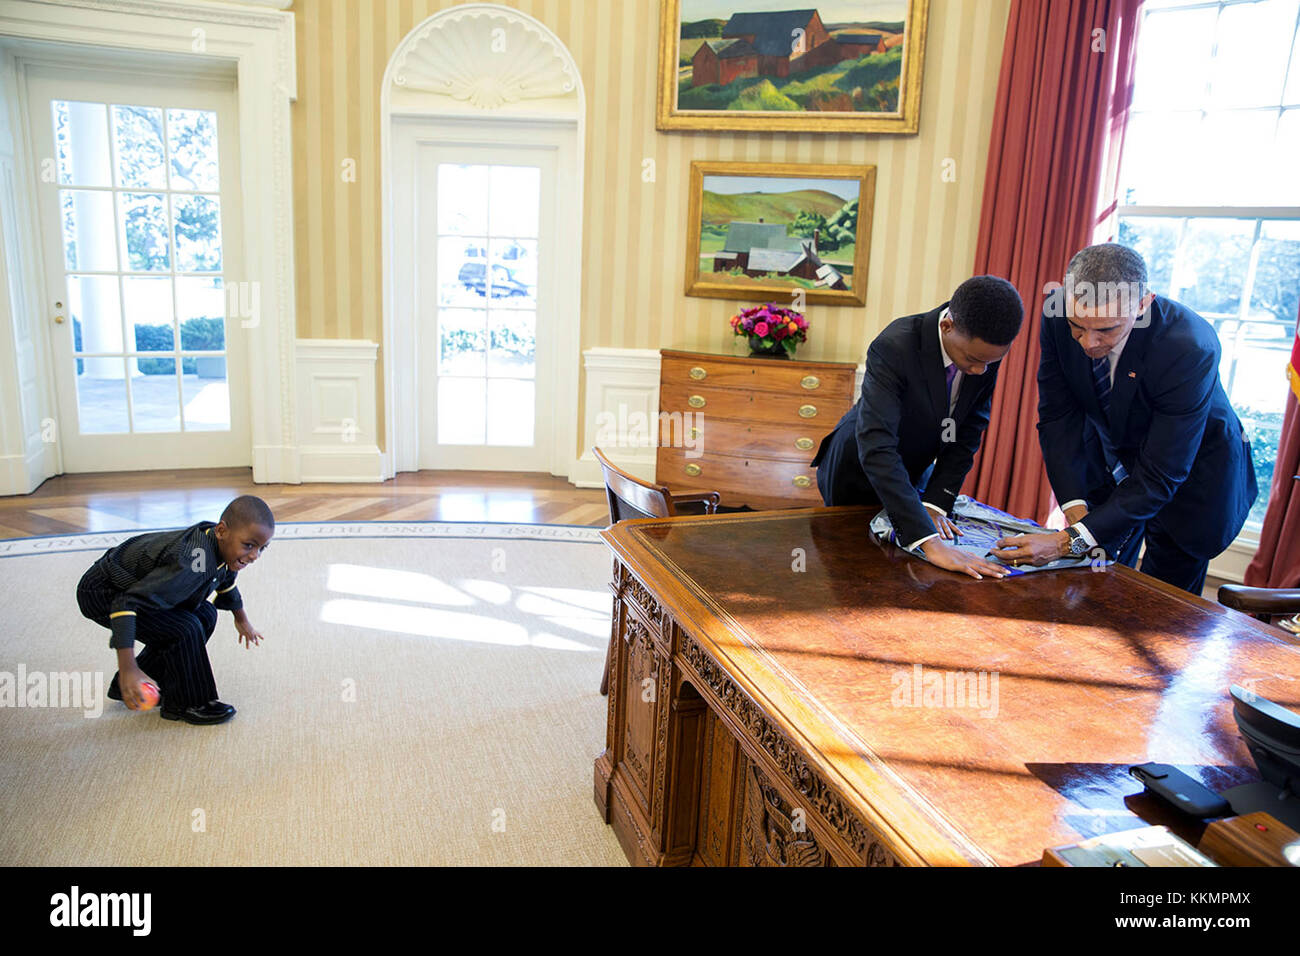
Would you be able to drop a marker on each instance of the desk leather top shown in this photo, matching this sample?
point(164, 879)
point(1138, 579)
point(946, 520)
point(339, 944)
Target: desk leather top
point(1095, 671)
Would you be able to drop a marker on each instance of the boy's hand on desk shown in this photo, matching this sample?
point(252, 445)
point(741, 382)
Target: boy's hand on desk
point(954, 559)
point(248, 635)
point(1035, 549)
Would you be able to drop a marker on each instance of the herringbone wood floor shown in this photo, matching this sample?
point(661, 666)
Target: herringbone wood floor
point(118, 501)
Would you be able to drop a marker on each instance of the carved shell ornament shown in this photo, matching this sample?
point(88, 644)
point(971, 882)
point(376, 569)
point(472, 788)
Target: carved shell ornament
point(485, 58)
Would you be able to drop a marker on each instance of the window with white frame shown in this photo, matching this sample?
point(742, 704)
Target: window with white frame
point(1210, 189)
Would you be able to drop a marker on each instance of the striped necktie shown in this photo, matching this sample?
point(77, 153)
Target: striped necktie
point(1101, 382)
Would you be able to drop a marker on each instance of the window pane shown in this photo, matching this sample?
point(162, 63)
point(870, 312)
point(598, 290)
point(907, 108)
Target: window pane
point(1211, 266)
point(1292, 94)
point(1156, 240)
point(1254, 40)
point(96, 314)
point(153, 396)
point(514, 344)
point(1236, 152)
point(514, 273)
point(81, 142)
point(1147, 176)
point(1284, 183)
point(462, 199)
point(510, 411)
point(1276, 292)
point(101, 396)
point(516, 193)
point(192, 149)
point(88, 230)
point(138, 146)
point(149, 312)
point(206, 392)
point(462, 272)
point(201, 311)
point(144, 232)
point(462, 341)
point(198, 233)
point(1173, 62)
point(461, 411)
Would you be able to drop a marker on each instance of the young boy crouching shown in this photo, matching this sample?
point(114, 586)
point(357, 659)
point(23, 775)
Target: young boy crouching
point(154, 588)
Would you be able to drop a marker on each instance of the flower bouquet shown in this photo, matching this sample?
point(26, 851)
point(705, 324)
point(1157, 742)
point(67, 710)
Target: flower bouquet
point(771, 329)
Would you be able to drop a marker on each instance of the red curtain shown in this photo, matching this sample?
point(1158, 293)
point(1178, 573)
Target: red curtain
point(1277, 562)
point(1063, 100)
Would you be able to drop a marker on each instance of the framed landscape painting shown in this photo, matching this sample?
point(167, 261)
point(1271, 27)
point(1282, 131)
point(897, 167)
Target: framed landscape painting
point(832, 66)
point(780, 232)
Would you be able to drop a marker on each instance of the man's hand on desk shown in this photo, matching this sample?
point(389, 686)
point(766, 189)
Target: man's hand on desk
point(954, 559)
point(1035, 549)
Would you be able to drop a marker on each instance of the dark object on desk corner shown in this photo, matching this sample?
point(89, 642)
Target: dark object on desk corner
point(1181, 791)
point(1272, 735)
point(1262, 603)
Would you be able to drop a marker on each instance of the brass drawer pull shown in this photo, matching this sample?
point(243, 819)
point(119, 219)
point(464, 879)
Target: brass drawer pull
point(698, 373)
point(803, 444)
point(695, 432)
point(807, 411)
point(693, 470)
point(802, 481)
point(810, 382)
point(697, 401)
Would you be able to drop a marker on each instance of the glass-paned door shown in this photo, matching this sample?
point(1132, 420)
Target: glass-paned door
point(142, 271)
point(482, 224)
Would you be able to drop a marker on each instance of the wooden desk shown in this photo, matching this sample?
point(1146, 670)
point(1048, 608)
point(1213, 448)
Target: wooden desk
point(758, 714)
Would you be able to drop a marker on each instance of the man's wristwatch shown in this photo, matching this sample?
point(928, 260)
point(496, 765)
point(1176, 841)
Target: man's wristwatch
point(1078, 546)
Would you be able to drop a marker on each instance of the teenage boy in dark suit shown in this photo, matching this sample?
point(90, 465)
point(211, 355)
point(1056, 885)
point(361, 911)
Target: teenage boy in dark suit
point(908, 442)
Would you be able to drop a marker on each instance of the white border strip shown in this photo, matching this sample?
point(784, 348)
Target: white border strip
point(307, 531)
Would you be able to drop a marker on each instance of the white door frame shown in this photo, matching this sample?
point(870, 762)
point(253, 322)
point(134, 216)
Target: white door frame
point(256, 44)
point(468, 64)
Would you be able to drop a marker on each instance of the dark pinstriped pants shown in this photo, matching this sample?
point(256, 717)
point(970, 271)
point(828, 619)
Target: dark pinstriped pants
point(175, 653)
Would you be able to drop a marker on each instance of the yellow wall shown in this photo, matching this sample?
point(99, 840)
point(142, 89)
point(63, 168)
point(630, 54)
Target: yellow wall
point(633, 257)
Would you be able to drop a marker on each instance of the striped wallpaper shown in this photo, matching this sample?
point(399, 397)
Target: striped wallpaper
point(633, 260)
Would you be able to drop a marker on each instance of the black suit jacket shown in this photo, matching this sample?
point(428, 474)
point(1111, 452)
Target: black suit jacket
point(882, 448)
point(1170, 425)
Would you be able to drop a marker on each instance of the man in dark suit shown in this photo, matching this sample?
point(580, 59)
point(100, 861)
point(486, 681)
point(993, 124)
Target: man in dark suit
point(1140, 441)
point(909, 440)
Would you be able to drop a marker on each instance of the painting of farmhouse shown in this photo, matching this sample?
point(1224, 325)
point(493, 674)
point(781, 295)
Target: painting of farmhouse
point(794, 232)
point(770, 64)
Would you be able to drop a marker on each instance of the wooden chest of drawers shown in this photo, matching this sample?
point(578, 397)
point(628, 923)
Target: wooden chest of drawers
point(747, 427)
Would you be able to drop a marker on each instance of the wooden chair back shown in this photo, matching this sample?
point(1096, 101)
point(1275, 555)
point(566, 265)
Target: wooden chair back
point(630, 497)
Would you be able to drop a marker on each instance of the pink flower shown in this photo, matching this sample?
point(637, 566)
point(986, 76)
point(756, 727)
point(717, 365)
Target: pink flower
point(761, 329)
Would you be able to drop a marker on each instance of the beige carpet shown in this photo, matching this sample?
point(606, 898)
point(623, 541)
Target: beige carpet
point(474, 654)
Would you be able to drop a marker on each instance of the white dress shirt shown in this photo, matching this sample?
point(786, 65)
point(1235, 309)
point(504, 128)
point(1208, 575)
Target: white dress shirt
point(952, 403)
point(1113, 355)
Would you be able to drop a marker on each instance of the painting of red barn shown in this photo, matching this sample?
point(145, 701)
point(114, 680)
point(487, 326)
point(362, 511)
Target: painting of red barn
point(770, 231)
point(826, 65)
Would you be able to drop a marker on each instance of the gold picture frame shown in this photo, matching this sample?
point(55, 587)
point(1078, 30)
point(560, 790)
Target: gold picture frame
point(746, 61)
point(770, 256)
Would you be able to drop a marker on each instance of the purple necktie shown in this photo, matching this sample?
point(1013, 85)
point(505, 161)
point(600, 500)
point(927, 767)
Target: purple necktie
point(950, 373)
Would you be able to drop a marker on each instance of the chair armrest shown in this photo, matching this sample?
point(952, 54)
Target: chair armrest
point(710, 500)
point(1260, 600)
